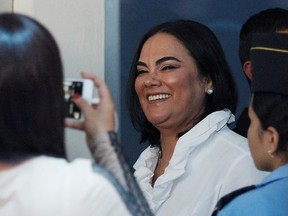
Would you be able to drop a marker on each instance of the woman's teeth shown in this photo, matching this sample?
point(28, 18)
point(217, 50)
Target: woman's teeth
point(158, 97)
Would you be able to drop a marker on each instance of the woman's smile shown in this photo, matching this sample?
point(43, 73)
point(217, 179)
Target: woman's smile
point(157, 97)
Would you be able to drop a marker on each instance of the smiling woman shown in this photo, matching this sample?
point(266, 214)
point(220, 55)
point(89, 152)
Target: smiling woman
point(181, 98)
point(170, 71)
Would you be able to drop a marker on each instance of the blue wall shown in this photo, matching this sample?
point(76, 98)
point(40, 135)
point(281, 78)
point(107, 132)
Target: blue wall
point(224, 17)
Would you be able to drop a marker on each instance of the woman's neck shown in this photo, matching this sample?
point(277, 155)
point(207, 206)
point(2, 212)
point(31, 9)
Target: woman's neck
point(167, 147)
point(279, 160)
point(6, 166)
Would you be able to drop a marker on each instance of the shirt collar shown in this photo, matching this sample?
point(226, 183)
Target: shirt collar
point(277, 174)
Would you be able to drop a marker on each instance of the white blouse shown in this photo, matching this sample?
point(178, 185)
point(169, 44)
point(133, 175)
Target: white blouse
point(47, 186)
point(208, 162)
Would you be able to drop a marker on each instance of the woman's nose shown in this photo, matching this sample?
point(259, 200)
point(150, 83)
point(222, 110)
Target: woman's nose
point(152, 80)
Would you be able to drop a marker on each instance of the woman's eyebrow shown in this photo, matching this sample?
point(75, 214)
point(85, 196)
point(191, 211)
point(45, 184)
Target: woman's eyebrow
point(159, 61)
point(166, 58)
point(140, 63)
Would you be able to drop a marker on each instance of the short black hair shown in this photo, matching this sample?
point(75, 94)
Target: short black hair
point(266, 21)
point(31, 90)
point(210, 60)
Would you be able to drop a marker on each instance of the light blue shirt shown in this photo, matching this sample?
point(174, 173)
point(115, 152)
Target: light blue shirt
point(270, 198)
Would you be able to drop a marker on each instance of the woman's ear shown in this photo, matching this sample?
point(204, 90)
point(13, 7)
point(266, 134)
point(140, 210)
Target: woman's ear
point(248, 70)
point(209, 83)
point(271, 140)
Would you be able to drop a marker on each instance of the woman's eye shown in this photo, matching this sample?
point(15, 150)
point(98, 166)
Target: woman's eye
point(139, 72)
point(168, 67)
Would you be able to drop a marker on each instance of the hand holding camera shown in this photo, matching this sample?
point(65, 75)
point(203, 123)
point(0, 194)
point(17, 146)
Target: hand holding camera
point(97, 118)
point(72, 87)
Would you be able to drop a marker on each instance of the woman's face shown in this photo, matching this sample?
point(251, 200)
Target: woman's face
point(170, 90)
point(256, 140)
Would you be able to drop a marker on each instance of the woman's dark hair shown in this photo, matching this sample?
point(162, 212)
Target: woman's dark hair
point(205, 48)
point(31, 90)
point(272, 110)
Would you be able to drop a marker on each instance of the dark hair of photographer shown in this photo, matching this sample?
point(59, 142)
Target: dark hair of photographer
point(31, 92)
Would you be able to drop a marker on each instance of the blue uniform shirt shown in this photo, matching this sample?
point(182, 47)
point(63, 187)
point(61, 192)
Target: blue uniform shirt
point(270, 198)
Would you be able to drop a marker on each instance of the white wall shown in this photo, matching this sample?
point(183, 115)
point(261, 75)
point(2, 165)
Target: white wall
point(78, 26)
point(5, 5)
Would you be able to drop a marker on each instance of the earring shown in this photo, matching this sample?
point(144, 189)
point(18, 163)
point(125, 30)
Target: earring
point(270, 153)
point(209, 91)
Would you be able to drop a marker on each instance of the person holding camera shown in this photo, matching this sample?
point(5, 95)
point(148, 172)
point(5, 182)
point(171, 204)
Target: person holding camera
point(35, 176)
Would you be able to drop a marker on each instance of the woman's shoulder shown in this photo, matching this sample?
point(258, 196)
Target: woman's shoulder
point(60, 182)
point(87, 181)
point(61, 165)
point(232, 139)
point(266, 200)
point(72, 172)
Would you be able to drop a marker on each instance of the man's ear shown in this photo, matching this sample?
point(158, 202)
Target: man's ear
point(272, 139)
point(248, 70)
